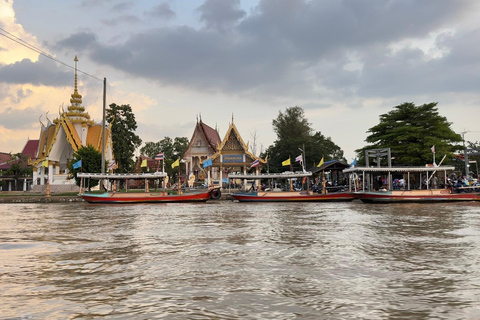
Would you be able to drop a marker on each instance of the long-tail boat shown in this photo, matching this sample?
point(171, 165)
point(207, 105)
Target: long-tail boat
point(161, 196)
point(389, 190)
point(287, 196)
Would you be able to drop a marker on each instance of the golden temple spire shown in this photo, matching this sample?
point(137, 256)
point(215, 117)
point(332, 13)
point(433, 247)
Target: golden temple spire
point(76, 112)
point(76, 97)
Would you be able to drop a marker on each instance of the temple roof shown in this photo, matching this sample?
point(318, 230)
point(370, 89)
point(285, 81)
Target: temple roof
point(69, 121)
point(208, 134)
point(211, 135)
point(234, 142)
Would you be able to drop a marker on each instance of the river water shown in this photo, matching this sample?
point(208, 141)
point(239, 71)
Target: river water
point(228, 260)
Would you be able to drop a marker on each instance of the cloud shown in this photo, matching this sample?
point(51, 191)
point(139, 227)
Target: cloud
point(13, 118)
point(161, 11)
point(78, 42)
point(123, 19)
point(288, 47)
point(43, 72)
point(123, 6)
point(220, 14)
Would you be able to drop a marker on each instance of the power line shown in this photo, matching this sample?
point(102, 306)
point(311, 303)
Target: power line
point(14, 38)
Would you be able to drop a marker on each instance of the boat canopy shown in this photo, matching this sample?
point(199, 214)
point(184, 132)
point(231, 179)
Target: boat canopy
point(283, 175)
point(367, 174)
point(101, 176)
point(399, 169)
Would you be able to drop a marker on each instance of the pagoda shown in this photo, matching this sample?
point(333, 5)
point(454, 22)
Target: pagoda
point(60, 139)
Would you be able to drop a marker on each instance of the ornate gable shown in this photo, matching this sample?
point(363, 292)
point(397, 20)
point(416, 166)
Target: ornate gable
point(203, 142)
point(233, 143)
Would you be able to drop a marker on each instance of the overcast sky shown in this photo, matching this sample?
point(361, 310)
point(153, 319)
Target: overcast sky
point(344, 62)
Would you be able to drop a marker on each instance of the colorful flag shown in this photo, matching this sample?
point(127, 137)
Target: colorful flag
point(433, 149)
point(176, 163)
point(299, 159)
point(112, 164)
point(354, 163)
point(45, 163)
point(207, 163)
point(255, 163)
point(144, 163)
point(286, 162)
point(77, 164)
point(320, 163)
point(159, 156)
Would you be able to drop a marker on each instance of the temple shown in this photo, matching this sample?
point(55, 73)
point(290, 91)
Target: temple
point(202, 145)
point(60, 139)
point(232, 156)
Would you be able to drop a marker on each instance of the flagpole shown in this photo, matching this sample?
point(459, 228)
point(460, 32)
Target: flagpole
point(324, 189)
point(291, 185)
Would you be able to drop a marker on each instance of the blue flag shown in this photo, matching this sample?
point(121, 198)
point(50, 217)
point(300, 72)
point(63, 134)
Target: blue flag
point(354, 163)
point(77, 164)
point(207, 163)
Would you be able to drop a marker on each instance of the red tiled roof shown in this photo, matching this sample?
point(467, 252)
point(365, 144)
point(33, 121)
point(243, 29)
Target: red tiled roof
point(4, 158)
point(30, 149)
point(211, 135)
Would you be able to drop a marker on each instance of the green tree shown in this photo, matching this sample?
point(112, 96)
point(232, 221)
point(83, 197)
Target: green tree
point(293, 132)
point(172, 150)
point(18, 168)
point(150, 149)
point(410, 132)
point(124, 139)
point(91, 162)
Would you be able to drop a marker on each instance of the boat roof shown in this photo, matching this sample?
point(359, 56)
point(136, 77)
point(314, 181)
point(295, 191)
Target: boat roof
point(99, 176)
point(283, 175)
point(399, 169)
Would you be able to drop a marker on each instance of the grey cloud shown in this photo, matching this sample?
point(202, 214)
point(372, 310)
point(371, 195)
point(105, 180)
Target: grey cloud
point(220, 14)
point(289, 47)
point(122, 6)
point(78, 42)
point(14, 118)
point(161, 11)
point(43, 72)
point(123, 19)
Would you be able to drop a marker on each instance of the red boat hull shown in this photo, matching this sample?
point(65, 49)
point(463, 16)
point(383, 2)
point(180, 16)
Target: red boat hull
point(145, 197)
point(292, 197)
point(417, 196)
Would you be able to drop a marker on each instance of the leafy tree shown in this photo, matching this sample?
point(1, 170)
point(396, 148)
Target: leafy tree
point(150, 149)
point(172, 150)
point(294, 132)
point(18, 168)
point(410, 132)
point(124, 139)
point(91, 162)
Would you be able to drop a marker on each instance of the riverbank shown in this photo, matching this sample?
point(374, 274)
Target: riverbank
point(28, 197)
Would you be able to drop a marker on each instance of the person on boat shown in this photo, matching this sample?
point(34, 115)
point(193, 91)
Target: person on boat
point(434, 182)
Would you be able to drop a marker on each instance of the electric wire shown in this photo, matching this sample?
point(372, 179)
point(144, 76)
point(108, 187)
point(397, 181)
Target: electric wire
point(27, 45)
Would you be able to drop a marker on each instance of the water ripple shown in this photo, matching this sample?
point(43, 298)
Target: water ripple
point(227, 260)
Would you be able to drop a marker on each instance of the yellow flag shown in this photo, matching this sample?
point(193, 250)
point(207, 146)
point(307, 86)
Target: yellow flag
point(176, 163)
point(286, 162)
point(144, 163)
point(320, 163)
point(266, 158)
point(45, 163)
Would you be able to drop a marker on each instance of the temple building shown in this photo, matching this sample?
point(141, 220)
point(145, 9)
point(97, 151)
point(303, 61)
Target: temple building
point(60, 139)
point(202, 145)
point(232, 156)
